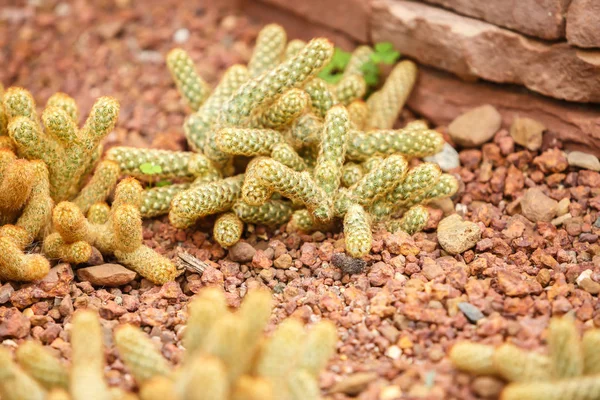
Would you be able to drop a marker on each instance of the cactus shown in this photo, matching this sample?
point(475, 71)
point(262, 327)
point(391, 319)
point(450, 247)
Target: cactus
point(270, 47)
point(264, 88)
point(358, 112)
point(25, 208)
point(350, 88)
point(15, 384)
point(283, 110)
point(567, 373)
point(202, 200)
point(87, 359)
point(173, 164)
point(157, 200)
point(296, 186)
point(321, 98)
point(328, 171)
point(386, 104)
point(357, 231)
point(197, 126)
point(68, 152)
point(120, 234)
point(228, 229)
point(473, 357)
point(565, 348)
point(413, 220)
point(271, 212)
point(41, 365)
point(409, 141)
point(351, 174)
point(227, 355)
point(190, 84)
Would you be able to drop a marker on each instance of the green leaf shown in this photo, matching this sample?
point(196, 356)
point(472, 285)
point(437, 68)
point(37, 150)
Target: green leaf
point(150, 169)
point(383, 47)
point(163, 183)
point(340, 58)
point(371, 79)
point(390, 58)
point(375, 58)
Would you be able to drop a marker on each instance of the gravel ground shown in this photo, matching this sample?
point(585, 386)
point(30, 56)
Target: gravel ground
point(397, 317)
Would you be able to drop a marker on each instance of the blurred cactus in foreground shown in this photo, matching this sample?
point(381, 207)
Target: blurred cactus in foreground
point(570, 371)
point(228, 357)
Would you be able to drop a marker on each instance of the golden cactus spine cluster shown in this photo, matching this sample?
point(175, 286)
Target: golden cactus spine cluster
point(118, 232)
point(570, 371)
point(69, 152)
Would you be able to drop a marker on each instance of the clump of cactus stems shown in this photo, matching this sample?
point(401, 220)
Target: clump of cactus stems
point(116, 230)
point(319, 153)
point(43, 160)
point(571, 370)
point(228, 357)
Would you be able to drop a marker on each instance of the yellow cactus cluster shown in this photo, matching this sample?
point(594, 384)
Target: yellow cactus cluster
point(43, 160)
point(116, 231)
point(228, 357)
point(571, 370)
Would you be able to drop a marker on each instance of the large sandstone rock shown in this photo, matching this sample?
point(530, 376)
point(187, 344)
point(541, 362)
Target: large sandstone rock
point(583, 23)
point(540, 18)
point(350, 16)
point(471, 48)
point(440, 98)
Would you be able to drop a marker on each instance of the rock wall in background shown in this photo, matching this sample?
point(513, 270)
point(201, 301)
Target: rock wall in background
point(540, 57)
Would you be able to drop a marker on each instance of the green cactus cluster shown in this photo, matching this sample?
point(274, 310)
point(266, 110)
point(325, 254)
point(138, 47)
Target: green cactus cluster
point(317, 146)
point(318, 154)
point(570, 370)
point(227, 357)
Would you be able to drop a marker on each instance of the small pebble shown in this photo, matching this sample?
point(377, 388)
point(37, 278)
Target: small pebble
point(472, 313)
point(447, 159)
point(583, 160)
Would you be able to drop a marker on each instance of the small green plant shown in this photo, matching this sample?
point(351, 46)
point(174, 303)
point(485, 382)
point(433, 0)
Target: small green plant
point(153, 169)
point(383, 53)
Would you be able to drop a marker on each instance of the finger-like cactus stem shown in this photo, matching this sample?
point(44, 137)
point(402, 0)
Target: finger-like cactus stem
point(262, 89)
point(350, 88)
point(566, 352)
point(517, 365)
point(357, 231)
point(473, 357)
point(328, 171)
point(15, 384)
point(43, 366)
point(283, 110)
point(270, 46)
point(351, 173)
point(248, 142)
point(228, 229)
point(409, 141)
point(272, 212)
point(140, 354)
point(413, 220)
point(192, 87)
point(99, 187)
point(173, 164)
point(200, 201)
point(87, 357)
point(296, 186)
point(385, 105)
point(157, 200)
point(358, 112)
point(321, 99)
point(198, 125)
